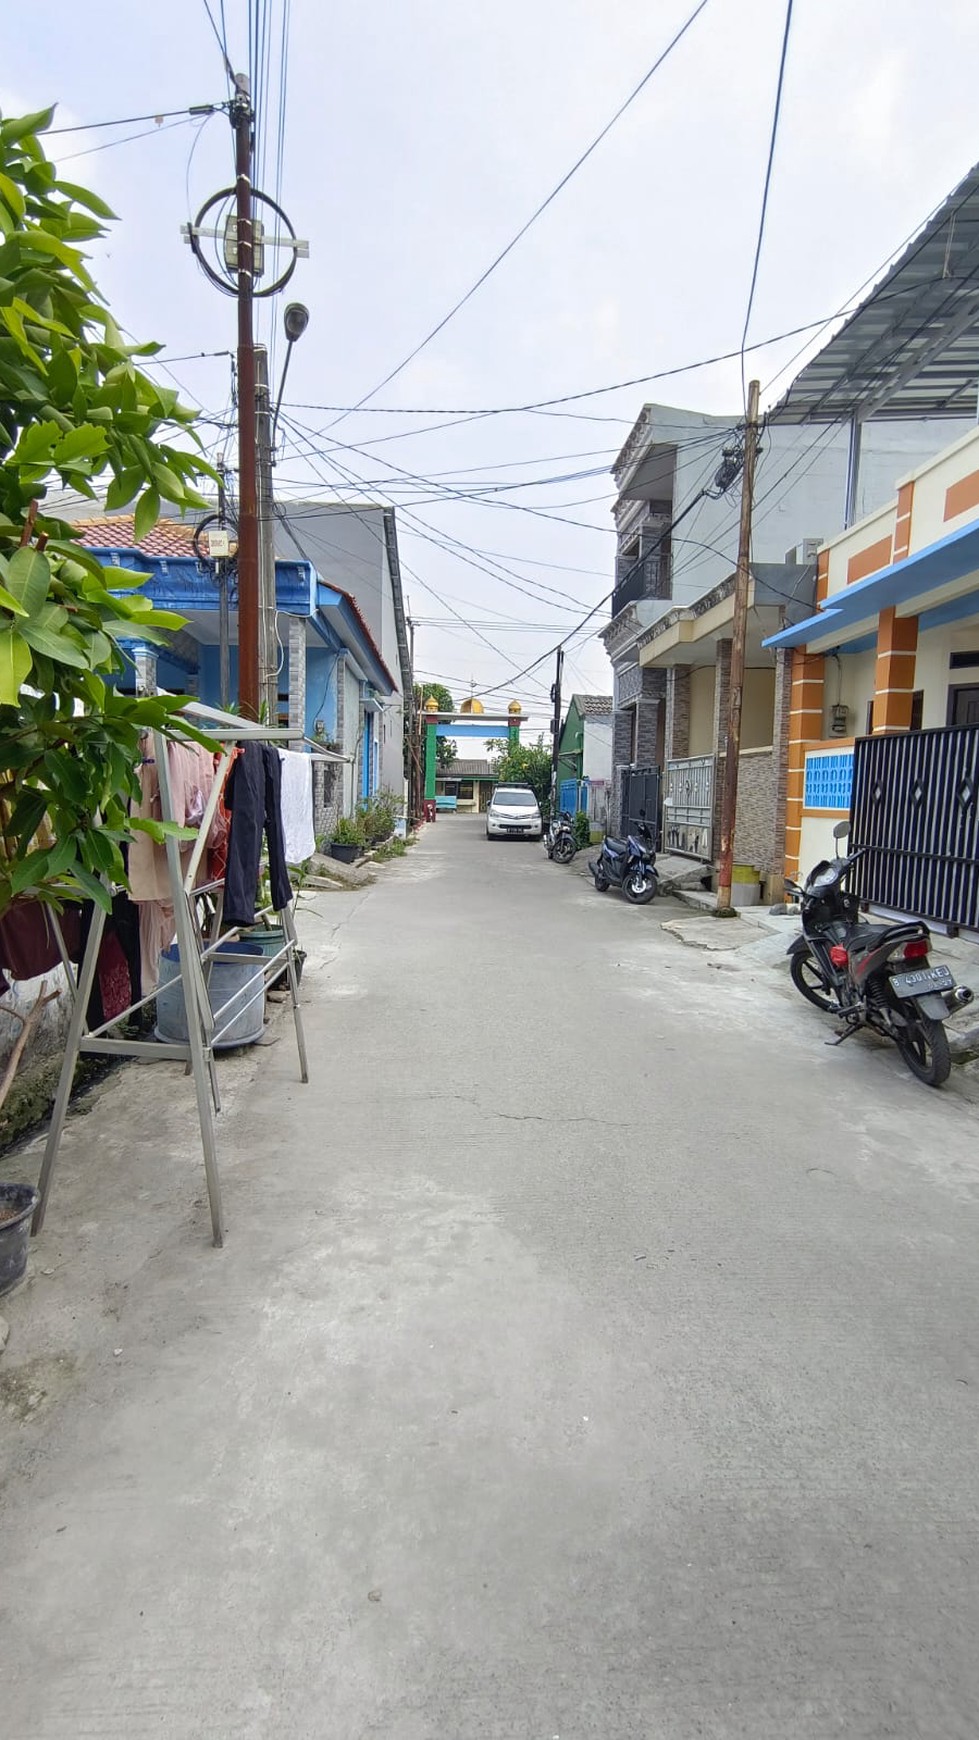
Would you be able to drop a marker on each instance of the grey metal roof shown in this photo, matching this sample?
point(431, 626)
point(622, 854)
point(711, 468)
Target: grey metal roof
point(912, 348)
point(467, 770)
point(593, 706)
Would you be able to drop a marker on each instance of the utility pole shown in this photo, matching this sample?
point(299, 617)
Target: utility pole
point(224, 612)
point(729, 794)
point(248, 567)
point(556, 726)
point(268, 660)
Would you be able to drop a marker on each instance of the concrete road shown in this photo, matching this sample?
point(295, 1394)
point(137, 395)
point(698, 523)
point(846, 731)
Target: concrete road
point(593, 1353)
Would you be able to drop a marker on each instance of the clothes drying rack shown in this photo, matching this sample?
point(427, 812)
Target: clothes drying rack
point(198, 944)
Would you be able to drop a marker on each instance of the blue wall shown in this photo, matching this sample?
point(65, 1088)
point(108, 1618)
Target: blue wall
point(321, 689)
point(210, 676)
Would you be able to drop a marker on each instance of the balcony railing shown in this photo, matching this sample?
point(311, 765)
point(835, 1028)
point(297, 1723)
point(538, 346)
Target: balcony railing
point(642, 580)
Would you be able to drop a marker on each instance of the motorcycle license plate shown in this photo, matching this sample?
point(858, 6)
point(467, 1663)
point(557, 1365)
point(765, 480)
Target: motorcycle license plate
point(917, 984)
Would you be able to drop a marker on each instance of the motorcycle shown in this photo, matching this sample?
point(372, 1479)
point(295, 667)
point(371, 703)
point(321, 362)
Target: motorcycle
point(872, 975)
point(559, 841)
point(627, 864)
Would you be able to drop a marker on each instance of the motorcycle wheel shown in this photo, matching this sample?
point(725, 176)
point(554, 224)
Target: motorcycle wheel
point(601, 883)
point(640, 886)
point(807, 978)
point(923, 1044)
point(563, 852)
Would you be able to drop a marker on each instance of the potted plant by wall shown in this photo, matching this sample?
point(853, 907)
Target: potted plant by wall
point(348, 839)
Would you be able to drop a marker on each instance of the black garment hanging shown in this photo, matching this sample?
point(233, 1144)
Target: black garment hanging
point(253, 795)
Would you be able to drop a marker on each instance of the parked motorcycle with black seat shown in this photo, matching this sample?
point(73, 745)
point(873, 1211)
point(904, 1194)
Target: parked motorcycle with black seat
point(873, 975)
point(627, 864)
point(559, 840)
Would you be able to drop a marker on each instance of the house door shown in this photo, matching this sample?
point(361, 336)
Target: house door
point(963, 705)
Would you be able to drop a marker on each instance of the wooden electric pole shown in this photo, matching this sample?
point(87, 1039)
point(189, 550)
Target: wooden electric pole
point(248, 593)
point(729, 793)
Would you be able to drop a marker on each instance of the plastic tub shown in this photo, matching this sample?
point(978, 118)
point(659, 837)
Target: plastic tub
point(242, 980)
point(17, 1204)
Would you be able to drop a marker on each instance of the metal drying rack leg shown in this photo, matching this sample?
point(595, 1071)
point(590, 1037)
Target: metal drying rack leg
point(200, 1025)
point(289, 926)
point(76, 1029)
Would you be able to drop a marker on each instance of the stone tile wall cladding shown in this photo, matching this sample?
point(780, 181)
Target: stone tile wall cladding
point(327, 797)
point(640, 696)
point(677, 730)
point(753, 834)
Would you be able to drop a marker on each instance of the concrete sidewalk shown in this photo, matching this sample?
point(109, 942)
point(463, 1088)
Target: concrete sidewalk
point(592, 1354)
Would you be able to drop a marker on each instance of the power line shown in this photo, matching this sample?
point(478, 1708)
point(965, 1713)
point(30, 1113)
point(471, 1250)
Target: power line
point(476, 411)
point(498, 261)
point(768, 179)
point(127, 120)
point(221, 40)
point(129, 138)
point(445, 542)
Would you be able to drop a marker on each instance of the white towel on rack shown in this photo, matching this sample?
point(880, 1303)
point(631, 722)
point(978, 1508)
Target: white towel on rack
point(297, 806)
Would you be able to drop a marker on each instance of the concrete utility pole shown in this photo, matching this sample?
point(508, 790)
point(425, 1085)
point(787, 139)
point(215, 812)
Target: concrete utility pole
point(268, 650)
point(556, 726)
point(248, 589)
point(729, 794)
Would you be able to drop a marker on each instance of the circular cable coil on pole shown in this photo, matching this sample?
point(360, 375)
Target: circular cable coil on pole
point(224, 277)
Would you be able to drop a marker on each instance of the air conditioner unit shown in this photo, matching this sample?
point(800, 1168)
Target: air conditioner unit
point(802, 554)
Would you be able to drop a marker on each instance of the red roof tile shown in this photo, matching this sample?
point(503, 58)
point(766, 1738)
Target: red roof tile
point(167, 538)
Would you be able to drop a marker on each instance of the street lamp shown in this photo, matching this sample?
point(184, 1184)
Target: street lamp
point(295, 321)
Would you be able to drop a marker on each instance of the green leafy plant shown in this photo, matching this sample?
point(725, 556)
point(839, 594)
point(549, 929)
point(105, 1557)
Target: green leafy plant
point(581, 828)
point(378, 814)
point(392, 849)
point(74, 406)
point(349, 831)
point(524, 764)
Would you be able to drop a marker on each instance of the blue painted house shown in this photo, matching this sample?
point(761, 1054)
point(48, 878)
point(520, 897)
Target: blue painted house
point(334, 684)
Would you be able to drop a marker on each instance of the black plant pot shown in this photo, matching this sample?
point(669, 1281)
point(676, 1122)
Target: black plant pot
point(17, 1204)
point(346, 854)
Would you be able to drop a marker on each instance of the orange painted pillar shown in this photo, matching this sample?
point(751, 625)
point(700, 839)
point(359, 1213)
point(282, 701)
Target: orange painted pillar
point(897, 644)
point(805, 727)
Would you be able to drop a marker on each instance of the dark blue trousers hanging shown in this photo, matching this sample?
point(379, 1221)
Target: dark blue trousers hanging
point(253, 795)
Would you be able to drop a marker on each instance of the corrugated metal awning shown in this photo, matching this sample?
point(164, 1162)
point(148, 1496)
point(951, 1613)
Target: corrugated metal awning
point(912, 348)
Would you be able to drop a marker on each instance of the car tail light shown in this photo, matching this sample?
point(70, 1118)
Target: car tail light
point(838, 955)
point(917, 950)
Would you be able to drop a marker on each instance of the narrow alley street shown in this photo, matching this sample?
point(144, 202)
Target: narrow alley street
point(592, 1354)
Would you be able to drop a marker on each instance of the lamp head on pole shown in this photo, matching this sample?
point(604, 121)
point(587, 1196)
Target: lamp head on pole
point(295, 320)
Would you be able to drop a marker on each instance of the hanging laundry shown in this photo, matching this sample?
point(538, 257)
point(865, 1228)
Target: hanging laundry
point(254, 796)
point(191, 770)
point(297, 806)
point(29, 942)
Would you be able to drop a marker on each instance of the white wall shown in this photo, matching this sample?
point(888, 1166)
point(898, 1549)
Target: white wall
point(596, 749)
point(800, 487)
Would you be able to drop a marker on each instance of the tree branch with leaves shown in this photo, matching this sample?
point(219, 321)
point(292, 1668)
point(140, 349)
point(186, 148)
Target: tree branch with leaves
point(74, 407)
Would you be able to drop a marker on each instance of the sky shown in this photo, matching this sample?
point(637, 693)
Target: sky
point(416, 138)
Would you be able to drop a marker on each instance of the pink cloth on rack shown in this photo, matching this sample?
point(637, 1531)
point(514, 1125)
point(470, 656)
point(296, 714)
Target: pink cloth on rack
point(191, 780)
point(156, 929)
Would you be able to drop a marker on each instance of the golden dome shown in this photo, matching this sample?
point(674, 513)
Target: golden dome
point(514, 707)
point(431, 705)
point(472, 705)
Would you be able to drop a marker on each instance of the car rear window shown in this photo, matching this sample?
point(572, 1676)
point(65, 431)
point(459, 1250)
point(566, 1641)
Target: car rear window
point(515, 797)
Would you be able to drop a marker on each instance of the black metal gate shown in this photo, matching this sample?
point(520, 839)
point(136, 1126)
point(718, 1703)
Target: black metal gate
point(915, 805)
point(640, 793)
